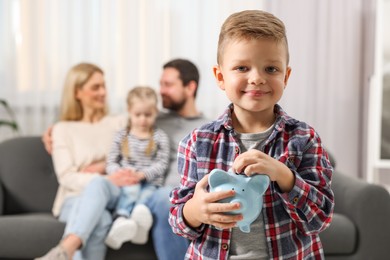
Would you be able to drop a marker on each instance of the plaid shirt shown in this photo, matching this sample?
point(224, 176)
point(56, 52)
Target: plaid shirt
point(292, 220)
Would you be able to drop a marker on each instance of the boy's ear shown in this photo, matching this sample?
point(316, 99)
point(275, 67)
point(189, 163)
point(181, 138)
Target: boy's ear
point(287, 76)
point(218, 76)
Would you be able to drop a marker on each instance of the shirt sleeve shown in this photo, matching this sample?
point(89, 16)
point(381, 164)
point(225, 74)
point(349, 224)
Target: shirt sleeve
point(160, 163)
point(67, 171)
point(187, 167)
point(114, 155)
point(310, 203)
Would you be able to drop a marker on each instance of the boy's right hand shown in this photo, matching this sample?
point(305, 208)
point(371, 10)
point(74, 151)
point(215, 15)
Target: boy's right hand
point(204, 208)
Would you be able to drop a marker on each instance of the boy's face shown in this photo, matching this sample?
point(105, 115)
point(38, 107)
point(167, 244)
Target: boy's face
point(253, 73)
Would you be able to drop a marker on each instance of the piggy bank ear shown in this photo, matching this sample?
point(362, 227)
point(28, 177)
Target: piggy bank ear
point(259, 182)
point(218, 177)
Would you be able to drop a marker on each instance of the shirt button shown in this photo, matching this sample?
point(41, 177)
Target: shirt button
point(225, 246)
point(237, 150)
point(295, 200)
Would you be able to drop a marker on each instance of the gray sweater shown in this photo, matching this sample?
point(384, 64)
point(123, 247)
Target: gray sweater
point(177, 127)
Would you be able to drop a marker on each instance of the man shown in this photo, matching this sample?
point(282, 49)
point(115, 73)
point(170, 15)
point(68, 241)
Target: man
point(178, 88)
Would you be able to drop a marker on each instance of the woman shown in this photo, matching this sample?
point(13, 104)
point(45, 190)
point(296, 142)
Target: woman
point(81, 141)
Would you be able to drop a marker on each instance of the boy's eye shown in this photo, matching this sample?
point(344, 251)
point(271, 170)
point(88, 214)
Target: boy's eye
point(242, 68)
point(271, 69)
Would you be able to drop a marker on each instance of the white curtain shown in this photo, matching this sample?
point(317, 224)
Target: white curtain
point(132, 39)
point(129, 39)
point(331, 44)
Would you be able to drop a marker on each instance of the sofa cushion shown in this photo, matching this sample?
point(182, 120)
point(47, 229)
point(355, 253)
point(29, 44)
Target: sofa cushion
point(341, 236)
point(28, 184)
point(26, 235)
point(27, 176)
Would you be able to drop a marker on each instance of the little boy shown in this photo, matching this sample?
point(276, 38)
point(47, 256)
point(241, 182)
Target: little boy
point(254, 136)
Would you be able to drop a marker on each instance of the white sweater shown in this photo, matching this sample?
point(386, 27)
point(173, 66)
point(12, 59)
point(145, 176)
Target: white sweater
point(76, 145)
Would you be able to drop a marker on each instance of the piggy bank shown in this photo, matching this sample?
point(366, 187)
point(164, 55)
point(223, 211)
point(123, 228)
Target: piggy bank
point(249, 193)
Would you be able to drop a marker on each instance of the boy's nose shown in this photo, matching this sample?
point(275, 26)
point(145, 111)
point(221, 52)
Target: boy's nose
point(256, 78)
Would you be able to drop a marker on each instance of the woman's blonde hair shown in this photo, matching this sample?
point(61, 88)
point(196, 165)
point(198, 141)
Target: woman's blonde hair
point(248, 25)
point(78, 75)
point(146, 95)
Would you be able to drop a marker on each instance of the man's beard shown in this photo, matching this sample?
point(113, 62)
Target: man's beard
point(176, 106)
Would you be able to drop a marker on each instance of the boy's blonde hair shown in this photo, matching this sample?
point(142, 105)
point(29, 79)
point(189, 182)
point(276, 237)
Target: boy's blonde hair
point(146, 95)
point(78, 75)
point(249, 25)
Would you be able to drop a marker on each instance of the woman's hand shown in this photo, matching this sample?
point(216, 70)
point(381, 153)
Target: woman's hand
point(256, 162)
point(95, 167)
point(123, 177)
point(204, 207)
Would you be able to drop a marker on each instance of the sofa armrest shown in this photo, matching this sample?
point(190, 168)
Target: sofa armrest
point(368, 207)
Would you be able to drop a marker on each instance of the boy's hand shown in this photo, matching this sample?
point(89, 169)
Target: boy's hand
point(204, 208)
point(256, 162)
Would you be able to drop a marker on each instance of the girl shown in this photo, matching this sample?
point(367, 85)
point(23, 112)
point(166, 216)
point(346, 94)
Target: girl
point(142, 150)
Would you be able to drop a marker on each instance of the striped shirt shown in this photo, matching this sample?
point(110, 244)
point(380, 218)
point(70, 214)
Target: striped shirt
point(154, 165)
point(292, 220)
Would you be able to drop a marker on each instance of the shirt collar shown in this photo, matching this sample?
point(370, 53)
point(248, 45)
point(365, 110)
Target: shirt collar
point(282, 119)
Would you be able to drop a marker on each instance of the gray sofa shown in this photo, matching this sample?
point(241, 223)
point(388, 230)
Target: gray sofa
point(360, 228)
point(27, 189)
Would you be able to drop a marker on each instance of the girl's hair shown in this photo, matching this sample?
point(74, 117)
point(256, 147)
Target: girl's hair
point(143, 94)
point(148, 96)
point(78, 75)
point(248, 25)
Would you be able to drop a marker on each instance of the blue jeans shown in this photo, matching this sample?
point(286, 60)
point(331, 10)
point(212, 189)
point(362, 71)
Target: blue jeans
point(167, 244)
point(88, 216)
point(131, 196)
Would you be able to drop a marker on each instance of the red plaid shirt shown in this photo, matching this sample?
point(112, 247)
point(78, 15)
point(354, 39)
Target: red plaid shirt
point(292, 220)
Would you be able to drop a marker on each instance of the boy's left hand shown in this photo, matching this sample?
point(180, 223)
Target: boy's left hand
point(256, 162)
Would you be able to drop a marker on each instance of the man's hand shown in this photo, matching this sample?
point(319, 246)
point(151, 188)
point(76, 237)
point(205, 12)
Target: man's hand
point(204, 208)
point(47, 140)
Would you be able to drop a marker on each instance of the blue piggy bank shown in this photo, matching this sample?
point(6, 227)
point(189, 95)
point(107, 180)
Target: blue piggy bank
point(249, 193)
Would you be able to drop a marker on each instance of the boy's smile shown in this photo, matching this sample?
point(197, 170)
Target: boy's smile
point(256, 93)
point(253, 73)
